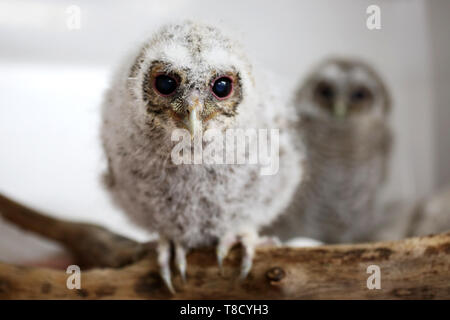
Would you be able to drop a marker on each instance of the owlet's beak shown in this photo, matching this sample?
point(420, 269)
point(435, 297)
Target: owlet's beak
point(340, 109)
point(193, 121)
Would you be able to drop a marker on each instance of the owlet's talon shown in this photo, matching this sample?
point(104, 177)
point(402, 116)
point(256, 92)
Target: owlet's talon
point(249, 240)
point(180, 260)
point(223, 248)
point(163, 251)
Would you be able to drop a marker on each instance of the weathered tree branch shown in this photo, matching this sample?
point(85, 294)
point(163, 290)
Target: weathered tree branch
point(92, 246)
point(412, 268)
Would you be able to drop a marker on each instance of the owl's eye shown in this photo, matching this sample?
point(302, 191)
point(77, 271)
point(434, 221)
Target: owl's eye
point(359, 95)
point(222, 87)
point(165, 85)
point(324, 91)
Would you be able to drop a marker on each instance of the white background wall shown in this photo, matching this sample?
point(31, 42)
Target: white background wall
point(52, 81)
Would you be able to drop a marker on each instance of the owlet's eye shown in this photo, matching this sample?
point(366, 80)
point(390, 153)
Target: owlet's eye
point(324, 91)
point(165, 85)
point(222, 87)
point(359, 95)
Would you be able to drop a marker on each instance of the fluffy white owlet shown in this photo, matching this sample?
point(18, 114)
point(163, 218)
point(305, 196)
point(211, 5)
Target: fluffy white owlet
point(190, 76)
point(343, 107)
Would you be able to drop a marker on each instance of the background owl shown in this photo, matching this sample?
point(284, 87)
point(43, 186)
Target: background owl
point(191, 76)
point(343, 107)
point(430, 215)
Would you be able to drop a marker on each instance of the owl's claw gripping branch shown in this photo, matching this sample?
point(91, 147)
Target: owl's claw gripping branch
point(164, 254)
point(223, 248)
point(180, 260)
point(163, 250)
point(249, 240)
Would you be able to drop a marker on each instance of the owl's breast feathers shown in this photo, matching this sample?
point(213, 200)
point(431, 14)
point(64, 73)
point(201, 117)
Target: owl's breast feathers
point(345, 168)
point(197, 203)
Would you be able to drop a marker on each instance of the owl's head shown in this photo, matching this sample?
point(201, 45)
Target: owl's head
point(189, 76)
point(343, 89)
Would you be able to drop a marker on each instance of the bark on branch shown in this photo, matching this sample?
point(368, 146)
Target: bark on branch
point(413, 268)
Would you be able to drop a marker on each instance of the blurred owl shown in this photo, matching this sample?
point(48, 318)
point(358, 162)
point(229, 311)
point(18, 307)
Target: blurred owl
point(343, 107)
point(190, 76)
point(430, 215)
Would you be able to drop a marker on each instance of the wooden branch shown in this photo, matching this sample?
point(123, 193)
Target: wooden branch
point(92, 246)
point(415, 268)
